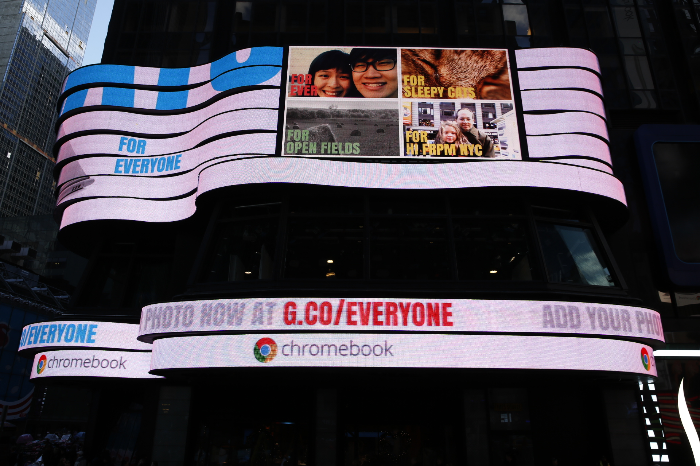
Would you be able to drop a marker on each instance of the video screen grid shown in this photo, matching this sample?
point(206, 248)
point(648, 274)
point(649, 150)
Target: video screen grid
point(443, 103)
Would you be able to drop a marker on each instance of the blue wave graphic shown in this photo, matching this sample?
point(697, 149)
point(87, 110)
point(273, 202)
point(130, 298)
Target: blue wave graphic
point(256, 67)
point(121, 74)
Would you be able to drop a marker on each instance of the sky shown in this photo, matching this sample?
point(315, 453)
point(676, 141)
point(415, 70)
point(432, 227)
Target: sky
point(98, 32)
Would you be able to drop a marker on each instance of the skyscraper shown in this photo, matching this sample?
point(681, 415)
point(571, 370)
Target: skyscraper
point(40, 42)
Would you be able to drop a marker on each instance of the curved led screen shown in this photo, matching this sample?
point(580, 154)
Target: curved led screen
point(142, 144)
point(83, 363)
point(398, 315)
point(402, 350)
point(80, 334)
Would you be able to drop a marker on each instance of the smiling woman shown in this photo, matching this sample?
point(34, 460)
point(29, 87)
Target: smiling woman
point(330, 73)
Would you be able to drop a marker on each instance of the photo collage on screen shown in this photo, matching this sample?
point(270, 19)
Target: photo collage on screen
point(400, 102)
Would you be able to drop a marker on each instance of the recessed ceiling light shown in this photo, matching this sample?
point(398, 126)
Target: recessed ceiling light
point(248, 273)
point(493, 271)
point(330, 261)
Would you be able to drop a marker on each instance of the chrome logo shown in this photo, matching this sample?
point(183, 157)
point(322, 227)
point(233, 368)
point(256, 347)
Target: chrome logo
point(41, 365)
point(645, 359)
point(265, 350)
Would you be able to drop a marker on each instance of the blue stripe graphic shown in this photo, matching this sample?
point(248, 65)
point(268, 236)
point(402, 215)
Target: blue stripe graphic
point(261, 65)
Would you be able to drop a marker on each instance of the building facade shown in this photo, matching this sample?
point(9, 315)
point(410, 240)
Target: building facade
point(297, 282)
point(42, 42)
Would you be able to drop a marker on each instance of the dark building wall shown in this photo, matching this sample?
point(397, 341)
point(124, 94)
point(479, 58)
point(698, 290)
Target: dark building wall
point(645, 48)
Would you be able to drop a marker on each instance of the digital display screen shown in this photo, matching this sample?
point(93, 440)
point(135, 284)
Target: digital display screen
point(677, 165)
point(669, 159)
point(147, 151)
point(88, 334)
point(400, 102)
point(398, 315)
point(84, 363)
point(402, 350)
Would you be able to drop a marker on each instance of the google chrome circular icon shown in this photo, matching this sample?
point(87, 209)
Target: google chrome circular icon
point(265, 349)
point(645, 359)
point(41, 365)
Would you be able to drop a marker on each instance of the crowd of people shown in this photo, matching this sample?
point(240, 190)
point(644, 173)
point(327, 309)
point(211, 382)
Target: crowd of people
point(63, 448)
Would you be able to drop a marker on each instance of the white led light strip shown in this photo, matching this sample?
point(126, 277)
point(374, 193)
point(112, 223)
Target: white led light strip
point(688, 424)
point(267, 350)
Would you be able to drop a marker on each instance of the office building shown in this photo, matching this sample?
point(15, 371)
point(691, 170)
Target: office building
point(41, 42)
point(381, 232)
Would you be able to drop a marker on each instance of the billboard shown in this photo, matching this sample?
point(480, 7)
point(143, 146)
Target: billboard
point(80, 334)
point(438, 103)
point(143, 144)
point(402, 350)
point(395, 315)
point(81, 363)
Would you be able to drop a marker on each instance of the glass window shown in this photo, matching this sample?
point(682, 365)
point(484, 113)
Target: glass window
point(378, 430)
point(508, 409)
point(575, 22)
point(327, 202)
point(638, 72)
point(261, 434)
point(317, 17)
point(613, 77)
point(423, 203)
point(427, 18)
point(447, 111)
point(233, 211)
point(464, 17)
point(425, 114)
point(263, 16)
point(132, 13)
point(492, 249)
point(571, 256)
point(293, 16)
point(353, 16)
point(376, 17)
point(154, 15)
point(510, 440)
point(106, 283)
point(207, 13)
point(325, 248)
point(632, 46)
point(150, 280)
point(488, 112)
point(242, 250)
point(409, 249)
point(406, 18)
point(626, 21)
point(488, 19)
point(517, 22)
point(242, 16)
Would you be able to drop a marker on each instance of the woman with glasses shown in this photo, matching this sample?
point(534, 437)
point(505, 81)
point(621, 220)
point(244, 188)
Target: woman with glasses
point(331, 74)
point(374, 72)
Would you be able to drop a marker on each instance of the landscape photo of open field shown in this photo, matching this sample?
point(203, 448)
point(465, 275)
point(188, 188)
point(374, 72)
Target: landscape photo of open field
point(357, 128)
